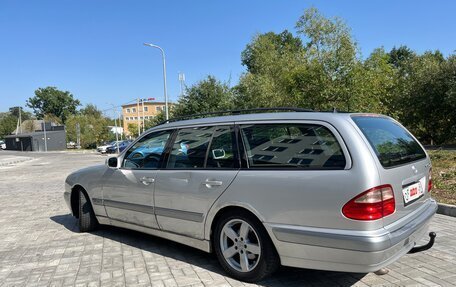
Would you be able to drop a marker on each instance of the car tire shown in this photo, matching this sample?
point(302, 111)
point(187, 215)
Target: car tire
point(250, 257)
point(87, 220)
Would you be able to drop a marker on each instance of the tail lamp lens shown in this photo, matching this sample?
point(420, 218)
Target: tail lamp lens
point(372, 204)
point(430, 180)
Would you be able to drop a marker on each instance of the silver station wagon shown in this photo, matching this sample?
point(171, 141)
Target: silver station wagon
point(319, 190)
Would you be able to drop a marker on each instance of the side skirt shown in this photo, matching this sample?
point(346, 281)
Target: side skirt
point(203, 245)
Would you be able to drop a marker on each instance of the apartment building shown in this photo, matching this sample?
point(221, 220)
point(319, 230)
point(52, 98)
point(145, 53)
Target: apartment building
point(135, 114)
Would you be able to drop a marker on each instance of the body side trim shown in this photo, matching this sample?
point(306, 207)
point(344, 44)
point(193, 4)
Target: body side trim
point(129, 206)
point(179, 214)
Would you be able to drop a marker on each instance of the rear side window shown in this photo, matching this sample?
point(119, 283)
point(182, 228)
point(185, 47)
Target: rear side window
point(203, 147)
point(392, 144)
point(305, 146)
point(190, 148)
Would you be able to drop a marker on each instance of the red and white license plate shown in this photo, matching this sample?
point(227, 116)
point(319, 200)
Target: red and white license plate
point(414, 191)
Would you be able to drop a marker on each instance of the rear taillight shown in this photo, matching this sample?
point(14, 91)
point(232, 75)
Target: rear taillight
point(372, 204)
point(430, 180)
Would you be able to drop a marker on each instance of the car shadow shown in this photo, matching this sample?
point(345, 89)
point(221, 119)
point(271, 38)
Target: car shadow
point(285, 276)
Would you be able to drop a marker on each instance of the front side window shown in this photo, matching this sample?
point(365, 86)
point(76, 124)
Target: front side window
point(304, 146)
point(147, 152)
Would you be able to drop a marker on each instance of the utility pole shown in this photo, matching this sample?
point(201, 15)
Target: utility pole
point(120, 124)
point(117, 135)
point(45, 136)
point(78, 136)
point(20, 119)
point(142, 100)
point(139, 123)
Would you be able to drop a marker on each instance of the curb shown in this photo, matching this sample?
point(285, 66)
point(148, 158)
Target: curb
point(14, 161)
point(447, 209)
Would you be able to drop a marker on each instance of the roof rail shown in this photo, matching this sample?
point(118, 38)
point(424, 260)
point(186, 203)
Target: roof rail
point(236, 112)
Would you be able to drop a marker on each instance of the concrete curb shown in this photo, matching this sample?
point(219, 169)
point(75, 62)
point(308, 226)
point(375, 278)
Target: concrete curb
point(14, 161)
point(447, 209)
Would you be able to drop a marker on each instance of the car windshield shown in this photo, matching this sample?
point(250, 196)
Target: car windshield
point(392, 144)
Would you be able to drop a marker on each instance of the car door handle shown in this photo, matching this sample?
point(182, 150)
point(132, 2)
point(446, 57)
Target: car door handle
point(212, 183)
point(147, 180)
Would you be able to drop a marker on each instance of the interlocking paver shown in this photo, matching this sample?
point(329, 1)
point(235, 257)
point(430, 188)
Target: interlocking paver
point(40, 244)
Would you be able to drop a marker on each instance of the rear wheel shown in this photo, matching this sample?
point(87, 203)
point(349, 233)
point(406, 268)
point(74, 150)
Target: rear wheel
point(244, 248)
point(87, 220)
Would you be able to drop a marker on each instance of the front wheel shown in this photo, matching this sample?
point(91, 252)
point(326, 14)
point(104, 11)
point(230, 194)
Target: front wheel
point(244, 248)
point(87, 220)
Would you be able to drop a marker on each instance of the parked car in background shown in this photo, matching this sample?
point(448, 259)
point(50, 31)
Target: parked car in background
point(2, 144)
point(344, 192)
point(102, 148)
point(122, 146)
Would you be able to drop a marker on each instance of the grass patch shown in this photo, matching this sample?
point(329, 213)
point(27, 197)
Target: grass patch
point(444, 175)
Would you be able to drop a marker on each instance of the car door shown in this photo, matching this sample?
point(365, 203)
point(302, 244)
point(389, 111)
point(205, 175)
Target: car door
point(202, 163)
point(128, 190)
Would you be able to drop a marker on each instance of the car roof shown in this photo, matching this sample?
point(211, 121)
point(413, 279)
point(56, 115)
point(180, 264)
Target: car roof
point(320, 116)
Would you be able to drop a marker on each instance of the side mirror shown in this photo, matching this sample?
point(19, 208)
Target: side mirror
point(112, 162)
point(218, 153)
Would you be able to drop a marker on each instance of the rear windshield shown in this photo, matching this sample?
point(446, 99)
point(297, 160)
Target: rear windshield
point(393, 144)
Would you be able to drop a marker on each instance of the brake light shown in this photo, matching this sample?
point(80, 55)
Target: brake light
point(430, 180)
point(372, 204)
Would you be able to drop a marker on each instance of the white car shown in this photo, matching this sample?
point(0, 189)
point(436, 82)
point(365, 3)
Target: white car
point(2, 145)
point(102, 149)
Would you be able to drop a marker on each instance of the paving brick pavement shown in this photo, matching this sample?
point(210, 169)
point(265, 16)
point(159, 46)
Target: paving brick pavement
point(40, 244)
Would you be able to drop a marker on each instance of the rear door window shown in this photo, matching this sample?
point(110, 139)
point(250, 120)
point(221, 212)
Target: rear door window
point(392, 144)
point(190, 148)
point(304, 146)
point(203, 147)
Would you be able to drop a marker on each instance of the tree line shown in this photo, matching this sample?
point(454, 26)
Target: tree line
point(60, 107)
point(320, 67)
point(317, 66)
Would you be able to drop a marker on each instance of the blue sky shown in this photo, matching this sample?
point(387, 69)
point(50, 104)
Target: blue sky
point(94, 48)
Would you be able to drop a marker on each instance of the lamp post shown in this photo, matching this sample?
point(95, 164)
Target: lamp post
point(164, 77)
point(115, 123)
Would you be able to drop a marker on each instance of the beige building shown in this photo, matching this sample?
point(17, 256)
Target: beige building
point(135, 114)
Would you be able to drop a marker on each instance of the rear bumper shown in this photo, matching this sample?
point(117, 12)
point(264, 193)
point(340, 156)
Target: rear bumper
point(349, 250)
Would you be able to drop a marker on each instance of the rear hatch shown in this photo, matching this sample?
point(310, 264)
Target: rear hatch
point(403, 163)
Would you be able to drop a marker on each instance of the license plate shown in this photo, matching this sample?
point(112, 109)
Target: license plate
point(414, 191)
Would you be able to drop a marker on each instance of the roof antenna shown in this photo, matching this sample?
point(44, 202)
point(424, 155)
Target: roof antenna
point(334, 110)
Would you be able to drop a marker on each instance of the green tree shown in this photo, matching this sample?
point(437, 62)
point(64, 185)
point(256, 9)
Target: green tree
point(133, 129)
point(159, 118)
point(94, 127)
point(428, 104)
point(318, 70)
point(24, 114)
point(8, 124)
point(50, 100)
point(269, 60)
point(91, 110)
point(208, 95)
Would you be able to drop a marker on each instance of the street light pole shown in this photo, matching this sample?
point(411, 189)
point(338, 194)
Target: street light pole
point(115, 123)
point(164, 77)
point(45, 136)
